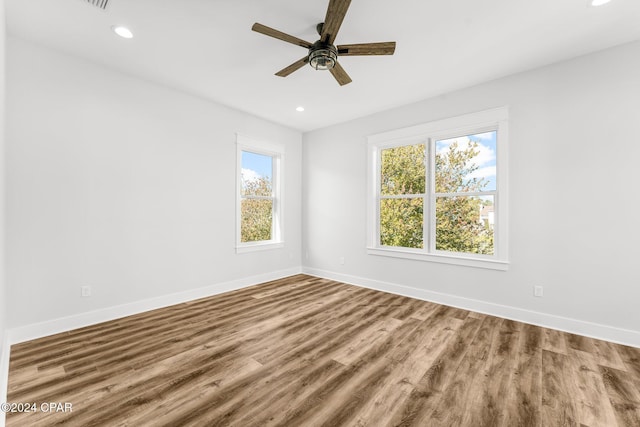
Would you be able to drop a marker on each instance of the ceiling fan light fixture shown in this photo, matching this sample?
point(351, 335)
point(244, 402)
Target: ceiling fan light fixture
point(323, 57)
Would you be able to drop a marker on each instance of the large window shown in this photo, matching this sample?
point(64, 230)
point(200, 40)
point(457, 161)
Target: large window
point(259, 223)
point(438, 191)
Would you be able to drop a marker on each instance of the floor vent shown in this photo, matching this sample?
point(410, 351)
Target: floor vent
point(102, 4)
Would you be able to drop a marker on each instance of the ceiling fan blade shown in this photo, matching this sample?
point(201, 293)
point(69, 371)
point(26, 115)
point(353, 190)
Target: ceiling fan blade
point(384, 48)
point(340, 74)
point(268, 31)
point(293, 67)
point(335, 14)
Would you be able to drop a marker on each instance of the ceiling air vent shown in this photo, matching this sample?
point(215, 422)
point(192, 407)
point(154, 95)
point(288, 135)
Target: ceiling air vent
point(102, 4)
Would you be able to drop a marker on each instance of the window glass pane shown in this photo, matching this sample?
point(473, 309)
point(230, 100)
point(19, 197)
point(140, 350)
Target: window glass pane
point(401, 222)
point(256, 220)
point(466, 163)
point(403, 170)
point(465, 224)
point(257, 174)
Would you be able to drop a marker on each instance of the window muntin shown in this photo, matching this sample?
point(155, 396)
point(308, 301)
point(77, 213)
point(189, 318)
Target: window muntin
point(464, 180)
point(436, 191)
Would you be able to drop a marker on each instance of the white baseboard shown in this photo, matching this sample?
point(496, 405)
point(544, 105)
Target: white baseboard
point(63, 324)
point(579, 327)
point(4, 371)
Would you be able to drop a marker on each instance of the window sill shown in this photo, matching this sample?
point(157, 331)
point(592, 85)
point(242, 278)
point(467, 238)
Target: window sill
point(444, 259)
point(258, 246)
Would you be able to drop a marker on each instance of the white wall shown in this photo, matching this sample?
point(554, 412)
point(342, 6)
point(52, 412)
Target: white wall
point(574, 156)
point(123, 185)
point(127, 186)
point(4, 351)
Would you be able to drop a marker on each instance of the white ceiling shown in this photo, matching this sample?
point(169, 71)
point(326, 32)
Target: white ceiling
point(207, 48)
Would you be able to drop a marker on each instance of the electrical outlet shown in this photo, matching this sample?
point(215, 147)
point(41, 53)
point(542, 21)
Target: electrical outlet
point(537, 291)
point(341, 260)
point(85, 291)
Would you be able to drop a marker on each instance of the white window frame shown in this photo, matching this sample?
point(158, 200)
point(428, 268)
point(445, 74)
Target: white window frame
point(276, 152)
point(428, 133)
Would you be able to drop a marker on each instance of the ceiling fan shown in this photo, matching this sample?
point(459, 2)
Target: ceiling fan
point(323, 55)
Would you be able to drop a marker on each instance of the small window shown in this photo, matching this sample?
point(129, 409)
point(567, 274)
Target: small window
point(259, 197)
point(439, 191)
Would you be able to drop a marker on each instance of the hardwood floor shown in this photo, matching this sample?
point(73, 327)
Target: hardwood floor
point(304, 351)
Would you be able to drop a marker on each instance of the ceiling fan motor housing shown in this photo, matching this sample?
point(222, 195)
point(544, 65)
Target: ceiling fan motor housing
point(323, 56)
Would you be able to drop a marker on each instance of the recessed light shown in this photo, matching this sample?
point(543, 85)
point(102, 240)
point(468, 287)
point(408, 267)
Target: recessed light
point(599, 2)
point(300, 109)
point(122, 31)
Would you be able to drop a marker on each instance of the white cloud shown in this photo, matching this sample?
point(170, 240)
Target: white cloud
point(487, 136)
point(249, 175)
point(485, 172)
point(486, 155)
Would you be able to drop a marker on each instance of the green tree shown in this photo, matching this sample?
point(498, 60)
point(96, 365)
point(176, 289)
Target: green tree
point(402, 174)
point(256, 216)
point(458, 224)
point(401, 223)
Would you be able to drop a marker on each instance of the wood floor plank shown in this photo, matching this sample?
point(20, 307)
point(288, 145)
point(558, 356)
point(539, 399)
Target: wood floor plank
point(475, 315)
point(31, 376)
point(554, 341)
point(225, 326)
point(606, 354)
point(132, 335)
point(288, 399)
point(420, 404)
point(559, 409)
point(366, 340)
point(341, 323)
point(462, 387)
point(427, 342)
point(307, 351)
point(590, 392)
point(624, 397)
point(410, 306)
point(288, 367)
point(371, 366)
point(129, 323)
point(128, 356)
point(156, 406)
point(486, 395)
point(286, 371)
point(424, 310)
point(525, 400)
point(578, 342)
point(631, 358)
point(439, 319)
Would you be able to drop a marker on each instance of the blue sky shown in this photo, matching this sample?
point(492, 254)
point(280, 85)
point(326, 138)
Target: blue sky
point(485, 159)
point(256, 165)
